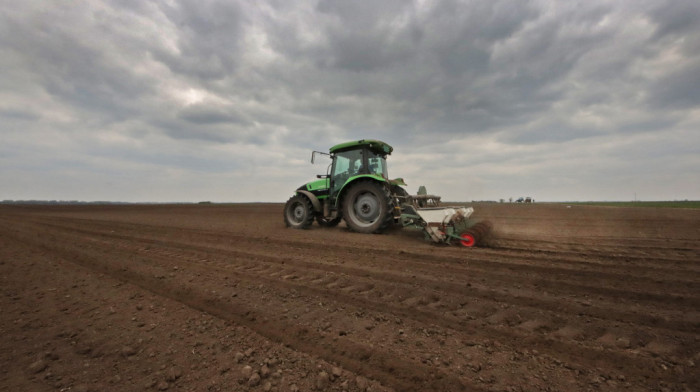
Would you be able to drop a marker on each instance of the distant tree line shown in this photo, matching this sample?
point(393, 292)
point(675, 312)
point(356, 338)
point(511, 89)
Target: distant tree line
point(52, 202)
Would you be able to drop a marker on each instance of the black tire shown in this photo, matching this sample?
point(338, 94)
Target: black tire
point(328, 222)
point(367, 207)
point(298, 212)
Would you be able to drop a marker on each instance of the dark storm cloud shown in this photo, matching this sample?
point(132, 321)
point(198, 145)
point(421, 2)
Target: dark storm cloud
point(360, 39)
point(678, 90)
point(204, 114)
point(18, 114)
point(70, 66)
point(530, 84)
point(439, 64)
point(676, 18)
point(208, 38)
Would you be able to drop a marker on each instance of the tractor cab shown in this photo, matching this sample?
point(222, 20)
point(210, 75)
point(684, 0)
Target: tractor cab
point(357, 159)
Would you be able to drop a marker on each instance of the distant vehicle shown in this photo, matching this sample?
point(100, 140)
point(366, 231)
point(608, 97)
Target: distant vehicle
point(529, 200)
point(520, 200)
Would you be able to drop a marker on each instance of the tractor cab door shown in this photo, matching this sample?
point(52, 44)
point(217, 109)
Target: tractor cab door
point(377, 164)
point(345, 165)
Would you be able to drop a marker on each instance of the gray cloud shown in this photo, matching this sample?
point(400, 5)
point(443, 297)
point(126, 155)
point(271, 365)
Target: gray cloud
point(676, 18)
point(209, 34)
point(205, 114)
point(480, 99)
point(679, 89)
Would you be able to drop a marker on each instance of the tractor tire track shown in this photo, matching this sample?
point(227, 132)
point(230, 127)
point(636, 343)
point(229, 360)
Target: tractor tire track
point(681, 300)
point(398, 300)
point(395, 372)
point(618, 310)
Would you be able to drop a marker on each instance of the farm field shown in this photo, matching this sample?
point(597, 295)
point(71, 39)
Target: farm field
point(653, 204)
point(225, 298)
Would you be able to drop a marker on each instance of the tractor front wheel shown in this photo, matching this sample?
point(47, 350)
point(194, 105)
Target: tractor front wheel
point(298, 212)
point(367, 207)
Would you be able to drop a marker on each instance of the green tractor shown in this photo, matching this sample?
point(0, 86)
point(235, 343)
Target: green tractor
point(356, 188)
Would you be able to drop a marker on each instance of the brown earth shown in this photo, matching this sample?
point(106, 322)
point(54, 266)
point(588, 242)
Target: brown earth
point(225, 298)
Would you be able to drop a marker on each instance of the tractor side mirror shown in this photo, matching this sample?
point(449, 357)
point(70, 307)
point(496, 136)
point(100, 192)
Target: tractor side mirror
point(313, 155)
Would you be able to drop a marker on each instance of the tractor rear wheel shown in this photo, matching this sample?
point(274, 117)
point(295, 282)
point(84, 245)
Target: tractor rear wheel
point(298, 212)
point(367, 207)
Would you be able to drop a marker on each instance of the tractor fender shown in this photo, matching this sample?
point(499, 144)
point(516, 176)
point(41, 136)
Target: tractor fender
point(313, 199)
point(354, 179)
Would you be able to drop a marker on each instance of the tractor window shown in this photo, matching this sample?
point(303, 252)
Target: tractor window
point(345, 165)
point(341, 165)
point(377, 165)
point(348, 162)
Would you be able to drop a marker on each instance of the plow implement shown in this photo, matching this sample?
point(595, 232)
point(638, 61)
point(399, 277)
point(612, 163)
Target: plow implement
point(444, 224)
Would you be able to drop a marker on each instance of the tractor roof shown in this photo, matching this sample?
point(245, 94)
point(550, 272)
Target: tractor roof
point(377, 146)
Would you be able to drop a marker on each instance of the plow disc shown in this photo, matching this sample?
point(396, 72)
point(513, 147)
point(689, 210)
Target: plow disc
point(468, 239)
point(475, 234)
point(447, 224)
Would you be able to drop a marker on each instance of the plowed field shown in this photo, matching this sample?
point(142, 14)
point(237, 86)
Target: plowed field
point(225, 298)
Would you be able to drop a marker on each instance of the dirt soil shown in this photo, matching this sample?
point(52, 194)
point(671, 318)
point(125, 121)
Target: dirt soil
point(225, 298)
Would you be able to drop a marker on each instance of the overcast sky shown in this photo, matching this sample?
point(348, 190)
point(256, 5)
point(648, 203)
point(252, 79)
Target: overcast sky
point(224, 100)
